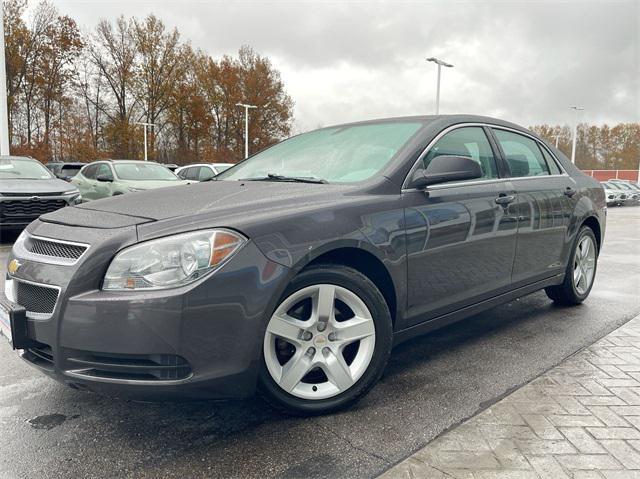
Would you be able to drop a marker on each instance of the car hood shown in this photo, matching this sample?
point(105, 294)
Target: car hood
point(53, 185)
point(226, 200)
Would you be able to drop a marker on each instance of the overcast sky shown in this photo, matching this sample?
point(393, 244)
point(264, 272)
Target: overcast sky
point(523, 61)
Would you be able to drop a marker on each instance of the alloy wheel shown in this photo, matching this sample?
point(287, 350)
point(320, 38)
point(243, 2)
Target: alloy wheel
point(319, 341)
point(584, 263)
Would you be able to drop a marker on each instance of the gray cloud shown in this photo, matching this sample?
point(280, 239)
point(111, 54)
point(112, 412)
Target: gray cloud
point(342, 61)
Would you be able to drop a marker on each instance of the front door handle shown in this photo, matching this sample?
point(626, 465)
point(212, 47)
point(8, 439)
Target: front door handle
point(505, 199)
point(570, 191)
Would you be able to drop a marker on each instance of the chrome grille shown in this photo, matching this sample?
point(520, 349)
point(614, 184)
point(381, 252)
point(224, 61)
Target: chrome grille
point(54, 249)
point(35, 298)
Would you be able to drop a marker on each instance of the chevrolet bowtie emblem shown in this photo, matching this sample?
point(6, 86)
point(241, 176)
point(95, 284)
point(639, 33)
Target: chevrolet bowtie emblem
point(14, 265)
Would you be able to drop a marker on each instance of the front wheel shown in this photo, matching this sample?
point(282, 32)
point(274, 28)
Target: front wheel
point(327, 342)
point(581, 271)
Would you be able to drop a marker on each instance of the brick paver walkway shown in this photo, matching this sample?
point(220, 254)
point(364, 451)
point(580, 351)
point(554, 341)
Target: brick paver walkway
point(579, 420)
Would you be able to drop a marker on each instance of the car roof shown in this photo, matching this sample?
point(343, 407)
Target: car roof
point(207, 164)
point(112, 160)
point(450, 119)
point(15, 157)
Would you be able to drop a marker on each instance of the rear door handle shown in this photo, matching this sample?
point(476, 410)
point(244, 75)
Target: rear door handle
point(505, 199)
point(569, 191)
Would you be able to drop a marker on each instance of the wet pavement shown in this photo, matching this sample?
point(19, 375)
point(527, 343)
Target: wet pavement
point(432, 384)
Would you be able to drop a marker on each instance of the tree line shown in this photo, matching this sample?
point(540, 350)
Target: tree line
point(598, 147)
point(77, 97)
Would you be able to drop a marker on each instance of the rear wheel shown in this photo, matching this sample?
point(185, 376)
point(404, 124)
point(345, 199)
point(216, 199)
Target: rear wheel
point(581, 271)
point(327, 342)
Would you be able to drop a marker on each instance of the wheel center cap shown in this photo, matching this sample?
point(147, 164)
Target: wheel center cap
point(320, 340)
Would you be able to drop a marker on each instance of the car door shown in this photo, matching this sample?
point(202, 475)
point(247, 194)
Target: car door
point(545, 202)
point(461, 236)
point(85, 180)
point(103, 189)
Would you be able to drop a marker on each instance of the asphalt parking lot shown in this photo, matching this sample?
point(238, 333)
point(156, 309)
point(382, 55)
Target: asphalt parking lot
point(432, 383)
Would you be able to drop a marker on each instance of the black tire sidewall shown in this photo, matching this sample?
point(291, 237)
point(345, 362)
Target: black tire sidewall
point(359, 284)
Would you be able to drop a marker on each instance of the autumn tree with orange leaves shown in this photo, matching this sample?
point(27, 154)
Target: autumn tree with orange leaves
point(77, 98)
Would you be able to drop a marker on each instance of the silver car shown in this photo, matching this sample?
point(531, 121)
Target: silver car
point(105, 178)
point(615, 196)
point(202, 171)
point(28, 190)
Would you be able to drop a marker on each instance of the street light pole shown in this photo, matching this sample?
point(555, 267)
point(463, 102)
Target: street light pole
point(246, 126)
point(575, 132)
point(557, 137)
point(145, 135)
point(440, 64)
point(4, 114)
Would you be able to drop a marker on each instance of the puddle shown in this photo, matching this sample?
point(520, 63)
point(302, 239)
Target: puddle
point(48, 421)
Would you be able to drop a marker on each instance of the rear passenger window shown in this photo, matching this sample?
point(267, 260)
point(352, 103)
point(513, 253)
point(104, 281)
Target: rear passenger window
point(522, 154)
point(551, 163)
point(470, 142)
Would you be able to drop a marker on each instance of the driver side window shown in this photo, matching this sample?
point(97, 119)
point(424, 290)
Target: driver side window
point(90, 171)
point(470, 142)
point(104, 170)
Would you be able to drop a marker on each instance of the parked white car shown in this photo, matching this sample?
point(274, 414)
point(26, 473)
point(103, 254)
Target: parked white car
point(631, 189)
point(614, 195)
point(202, 171)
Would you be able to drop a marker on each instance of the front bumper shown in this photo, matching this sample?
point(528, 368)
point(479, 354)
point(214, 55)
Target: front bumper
point(200, 341)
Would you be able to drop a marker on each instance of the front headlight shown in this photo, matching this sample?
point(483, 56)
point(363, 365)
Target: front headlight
point(172, 261)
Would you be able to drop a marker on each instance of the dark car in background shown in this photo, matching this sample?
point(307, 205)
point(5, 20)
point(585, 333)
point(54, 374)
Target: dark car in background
point(28, 189)
point(65, 170)
point(296, 271)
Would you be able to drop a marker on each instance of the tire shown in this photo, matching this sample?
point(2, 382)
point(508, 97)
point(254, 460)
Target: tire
point(569, 293)
point(363, 306)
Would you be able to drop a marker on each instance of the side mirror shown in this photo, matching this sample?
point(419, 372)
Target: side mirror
point(447, 168)
point(104, 178)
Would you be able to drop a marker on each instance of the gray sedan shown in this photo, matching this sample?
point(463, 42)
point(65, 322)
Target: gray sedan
point(28, 189)
point(296, 271)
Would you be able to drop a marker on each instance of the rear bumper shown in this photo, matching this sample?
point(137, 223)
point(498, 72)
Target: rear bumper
point(199, 341)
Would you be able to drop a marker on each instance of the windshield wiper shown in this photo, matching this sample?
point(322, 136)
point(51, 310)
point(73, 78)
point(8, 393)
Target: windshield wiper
point(291, 179)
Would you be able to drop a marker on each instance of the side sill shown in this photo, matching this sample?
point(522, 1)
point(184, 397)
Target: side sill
point(454, 316)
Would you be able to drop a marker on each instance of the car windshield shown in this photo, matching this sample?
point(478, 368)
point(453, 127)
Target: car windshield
point(23, 169)
point(338, 155)
point(143, 172)
point(70, 170)
point(222, 168)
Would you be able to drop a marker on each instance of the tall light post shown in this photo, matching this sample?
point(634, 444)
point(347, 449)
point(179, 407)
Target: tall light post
point(246, 126)
point(557, 137)
point(440, 64)
point(145, 135)
point(578, 109)
point(4, 114)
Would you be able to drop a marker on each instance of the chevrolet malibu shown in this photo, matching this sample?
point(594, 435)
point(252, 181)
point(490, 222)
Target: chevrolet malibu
point(297, 271)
